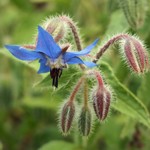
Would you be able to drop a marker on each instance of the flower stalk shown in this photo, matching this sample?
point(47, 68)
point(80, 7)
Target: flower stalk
point(74, 30)
point(85, 93)
point(98, 77)
point(109, 43)
point(85, 117)
point(76, 89)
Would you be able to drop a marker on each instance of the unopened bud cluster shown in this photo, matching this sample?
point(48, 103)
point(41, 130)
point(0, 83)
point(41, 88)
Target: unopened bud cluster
point(133, 52)
point(101, 100)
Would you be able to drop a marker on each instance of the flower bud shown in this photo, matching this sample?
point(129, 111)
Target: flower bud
point(101, 102)
point(67, 116)
point(136, 55)
point(84, 122)
point(55, 27)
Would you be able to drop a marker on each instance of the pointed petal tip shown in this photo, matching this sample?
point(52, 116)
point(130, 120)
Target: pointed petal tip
point(10, 47)
point(90, 64)
point(38, 72)
point(22, 53)
point(46, 44)
point(7, 46)
point(96, 41)
point(39, 27)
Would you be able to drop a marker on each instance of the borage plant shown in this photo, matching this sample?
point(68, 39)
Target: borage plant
point(54, 54)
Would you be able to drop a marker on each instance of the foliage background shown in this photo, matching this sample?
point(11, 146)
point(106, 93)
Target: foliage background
point(28, 113)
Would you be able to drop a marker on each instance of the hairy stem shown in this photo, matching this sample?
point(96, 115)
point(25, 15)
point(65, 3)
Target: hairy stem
point(74, 30)
point(98, 77)
point(110, 42)
point(75, 33)
point(85, 93)
point(76, 88)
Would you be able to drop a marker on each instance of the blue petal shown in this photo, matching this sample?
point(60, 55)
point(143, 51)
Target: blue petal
point(43, 67)
point(46, 44)
point(77, 60)
point(85, 51)
point(89, 64)
point(22, 53)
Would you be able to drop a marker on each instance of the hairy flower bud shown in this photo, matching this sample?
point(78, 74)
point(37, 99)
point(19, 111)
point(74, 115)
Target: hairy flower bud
point(136, 55)
point(56, 27)
point(101, 102)
point(84, 122)
point(67, 116)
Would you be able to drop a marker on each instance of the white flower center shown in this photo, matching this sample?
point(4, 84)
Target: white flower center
point(56, 63)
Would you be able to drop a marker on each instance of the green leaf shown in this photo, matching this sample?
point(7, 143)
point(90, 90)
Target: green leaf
point(24, 4)
point(143, 91)
point(127, 103)
point(66, 81)
point(1, 146)
point(51, 102)
point(128, 128)
point(117, 23)
point(58, 145)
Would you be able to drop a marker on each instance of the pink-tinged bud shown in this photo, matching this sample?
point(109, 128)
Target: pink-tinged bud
point(55, 27)
point(136, 55)
point(85, 121)
point(101, 102)
point(67, 116)
point(51, 24)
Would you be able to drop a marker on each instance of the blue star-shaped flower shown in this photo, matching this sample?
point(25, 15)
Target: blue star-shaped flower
point(50, 55)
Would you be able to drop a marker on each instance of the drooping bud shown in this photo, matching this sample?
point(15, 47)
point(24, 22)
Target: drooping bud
point(101, 102)
point(72, 25)
point(56, 27)
point(85, 121)
point(51, 25)
point(136, 55)
point(66, 117)
point(101, 96)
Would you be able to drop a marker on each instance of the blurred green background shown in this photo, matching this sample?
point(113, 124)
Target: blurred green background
point(28, 113)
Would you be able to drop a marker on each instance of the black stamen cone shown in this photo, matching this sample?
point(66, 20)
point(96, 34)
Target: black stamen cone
point(55, 73)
